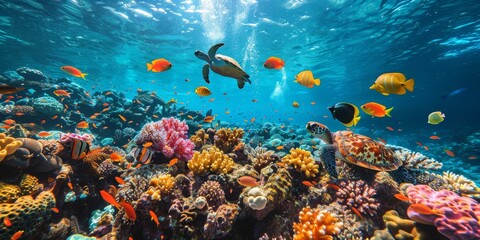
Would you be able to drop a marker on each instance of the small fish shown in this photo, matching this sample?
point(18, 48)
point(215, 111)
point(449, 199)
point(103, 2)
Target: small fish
point(355, 210)
point(401, 197)
point(274, 63)
point(120, 180)
point(115, 157)
point(94, 125)
point(122, 118)
point(419, 144)
point(346, 113)
point(187, 80)
point(69, 184)
point(434, 137)
point(334, 186)
point(473, 157)
point(211, 99)
point(147, 144)
point(61, 92)
point(382, 140)
point(313, 103)
point(74, 72)
point(155, 116)
point(143, 155)
point(82, 125)
point(44, 134)
point(295, 104)
point(202, 91)
point(227, 112)
point(426, 148)
point(9, 121)
point(455, 92)
point(436, 117)
point(279, 147)
point(129, 211)
point(5, 89)
point(307, 183)
point(17, 235)
point(306, 79)
point(424, 209)
point(170, 102)
point(449, 153)
point(376, 109)
point(159, 65)
point(172, 162)
point(392, 83)
point(390, 128)
point(208, 119)
point(109, 199)
point(55, 210)
point(7, 222)
point(154, 217)
point(248, 181)
point(252, 120)
point(189, 116)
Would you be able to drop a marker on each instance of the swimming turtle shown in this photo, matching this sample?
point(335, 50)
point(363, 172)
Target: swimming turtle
point(354, 149)
point(223, 65)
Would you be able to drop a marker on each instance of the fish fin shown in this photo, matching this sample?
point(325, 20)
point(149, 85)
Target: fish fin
point(317, 81)
point(149, 67)
point(409, 84)
point(83, 76)
point(356, 120)
point(386, 94)
point(387, 112)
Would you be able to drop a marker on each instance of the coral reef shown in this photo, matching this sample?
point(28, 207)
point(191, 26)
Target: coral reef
point(259, 156)
point(213, 192)
point(414, 160)
point(160, 185)
point(9, 192)
point(316, 224)
point(460, 184)
point(358, 196)
point(227, 139)
point(220, 222)
point(213, 160)
point(8, 145)
point(302, 161)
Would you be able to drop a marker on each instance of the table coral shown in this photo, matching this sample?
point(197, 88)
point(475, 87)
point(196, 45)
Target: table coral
point(358, 196)
point(227, 139)
point(316, 224)
point(8, 145)
point(160, 185)
point(302, 161)
point(213, 160)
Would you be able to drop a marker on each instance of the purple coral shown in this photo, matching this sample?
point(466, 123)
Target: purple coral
point(68, 137)
point(169, 136)
point(357, 195)
point(213, 192)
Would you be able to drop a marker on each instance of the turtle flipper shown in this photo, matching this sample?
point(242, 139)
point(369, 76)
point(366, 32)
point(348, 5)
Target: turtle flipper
point(328, 157)
point(240, 83)
point(213, 50)
point(205, 71)
point(246, 78)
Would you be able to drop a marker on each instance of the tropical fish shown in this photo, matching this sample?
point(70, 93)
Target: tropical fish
point(473, 157)
point(154, 217)
point(455, 92)
point(390, 128)
point(147, 144)
point(82, 124)
point(79, 149)
point(44, 134)
point(376, 110)
point(5, 89)
point(401, 197)
point(306, 79)
point(122, 118)
point(280, 147)
point(172, 162)
point(202, 91)
point(424, 209)
point(449, 153)
point(436, 117)
point(434, 137)
point(159, 65)
point(170, 102)
point(115, 157)
point(74, 72)
point(120, 180)
point(355, 210)
point(127, 207)
point(274, 63)
point(9, 121)
point(7, 221)
point(61, 92)
point(17, 235)
point(248, 181)
point(109, 199)
point(295, 104)
point(307, 183)
point(143, 155)
point(392, 83)
point(55, 210)
point(69, 184)
point(208, 119)
point(346, 113)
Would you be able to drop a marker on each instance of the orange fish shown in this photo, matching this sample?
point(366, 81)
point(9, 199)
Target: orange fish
point(426, 148)
point(129, 210)
point(7, 222)
point(252, 120)
point(154, 217)
point(401, 197)
point(208, 119)
point(61, 92)
point(6, 126)
point(473, 157)
point(382, 140)
point(172, 162)
point(115, 156)
point(449, 153)
point(307, 183)
point(274, 63)
point(393, 83)
point(334, 186)
point(94, 125)
point(9, 122)
point(44, 134)
point(280, 147)
point(390, 128)
point(74, 72)
point(17, 235)
point(424, 209)
point(155, 116)
point(122, 117)
point(109, 199)
point(120, 180)
point(159, 65)
point(147, 144)
point(82, 124)
point(376, 110)
point(313, 103)
point(248, 181)
point(434, 137)
point(69, 184)
point(354, 210)
point(43, 121)
point(419, 144)
point(130, 238)
point(55, 210)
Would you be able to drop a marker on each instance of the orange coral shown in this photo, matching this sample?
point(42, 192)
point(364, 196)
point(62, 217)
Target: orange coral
point(316, 224)
point(227, 139)
point(302, 161)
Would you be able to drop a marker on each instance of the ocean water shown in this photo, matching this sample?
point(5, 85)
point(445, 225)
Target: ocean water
point(345, 43)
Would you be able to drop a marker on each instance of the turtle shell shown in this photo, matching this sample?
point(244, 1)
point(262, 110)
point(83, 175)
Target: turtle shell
point(230, 69)
point(365, 152)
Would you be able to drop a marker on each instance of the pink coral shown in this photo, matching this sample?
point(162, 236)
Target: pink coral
point(456, 217)
point(357, 195)
point(68, 137)
point(169, 136)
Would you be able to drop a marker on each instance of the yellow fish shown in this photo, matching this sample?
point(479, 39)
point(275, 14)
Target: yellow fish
point(436, 117)
point(393, 83)
point(295, 104)
point(170, 102)
point(306, 79)
point(202, 91)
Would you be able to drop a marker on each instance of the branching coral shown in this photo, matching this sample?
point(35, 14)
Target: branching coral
point(213, 192)
point(302, 161)
point(8, 145)
point(227, 139)
point(259, 156)
point(220, 222)
point(414, 160)
point(316, 224)
point(213, 160)
point(460, 184)
point(358, 196)
point(160, 185)
point(200, 138)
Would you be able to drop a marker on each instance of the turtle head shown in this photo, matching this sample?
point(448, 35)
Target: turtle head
point(202, 55)
point(320, 131)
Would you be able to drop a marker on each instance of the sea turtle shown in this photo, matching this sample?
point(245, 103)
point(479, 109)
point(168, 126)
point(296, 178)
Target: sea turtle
point(354, 149)
point(222, 65)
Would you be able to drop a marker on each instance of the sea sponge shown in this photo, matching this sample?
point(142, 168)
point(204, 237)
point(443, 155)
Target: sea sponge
point(227, 139)
point(8, 145)
point(317, 224)
point(160, 185)
point(26, 213)
point(302, 161)
point(213, 160)
point(29, 184)
point(213, 192)
point(8, 192)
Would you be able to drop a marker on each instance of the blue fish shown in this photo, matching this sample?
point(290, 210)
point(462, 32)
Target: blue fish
point(455, 92)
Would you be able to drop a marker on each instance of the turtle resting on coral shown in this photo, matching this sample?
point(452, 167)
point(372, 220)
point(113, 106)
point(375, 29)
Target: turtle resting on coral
point(223, 65)
point(354, 149)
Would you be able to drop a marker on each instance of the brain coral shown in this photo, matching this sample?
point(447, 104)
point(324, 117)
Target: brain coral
point(213, 160)
point(302, 161)
point(316, 224)
point(8, 145)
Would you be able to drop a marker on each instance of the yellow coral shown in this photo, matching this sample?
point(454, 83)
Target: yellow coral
point(29, 184)
point(162, 184)
point(460, 184)
point(405, 228)
point(213, 160)
point(302, 161)
point(200, 138)
point(8, 145)
point(316, 224)
point(8, 192)
point(227, 139)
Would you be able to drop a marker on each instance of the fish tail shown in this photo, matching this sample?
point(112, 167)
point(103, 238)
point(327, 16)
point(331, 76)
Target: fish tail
point(83, 76)
point(387, 112)
point(149, 67)
point(409, 84)
point(356, 120)
point(317, 81)
point(283, 63)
